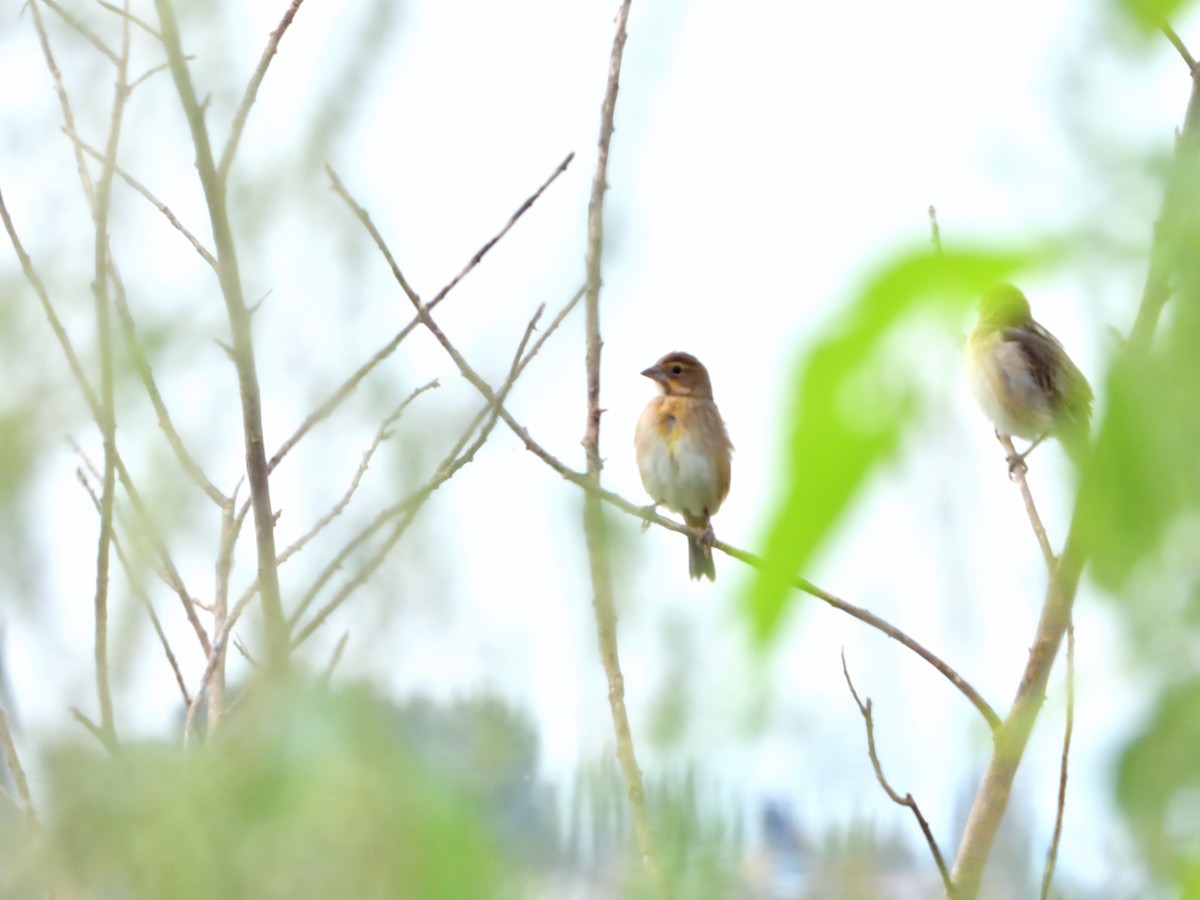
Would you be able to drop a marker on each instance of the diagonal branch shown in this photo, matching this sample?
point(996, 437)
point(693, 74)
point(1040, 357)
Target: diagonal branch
point(410, 506)
point(15, 767)
point(134, 583)
point(338, 508)
point(326, 409)
point(204, 252)
point(907, 799)
point(251, 93)
point(581, 480)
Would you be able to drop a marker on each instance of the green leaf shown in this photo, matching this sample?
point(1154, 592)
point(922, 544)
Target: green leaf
point(1152, 13)
point(1144, 471)
point(1158, 782)
point(851, 404)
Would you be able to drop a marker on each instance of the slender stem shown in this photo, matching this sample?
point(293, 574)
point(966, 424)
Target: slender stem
point(600, 564)
point(108, 416)
point(1018, 475)
point(1052, 853)
point(907, 800)
point(243, 345)
point(251, 92)
point(15, 767)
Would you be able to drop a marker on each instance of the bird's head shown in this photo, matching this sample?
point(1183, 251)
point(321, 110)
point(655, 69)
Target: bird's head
point(1003, 306)
point(680, 375)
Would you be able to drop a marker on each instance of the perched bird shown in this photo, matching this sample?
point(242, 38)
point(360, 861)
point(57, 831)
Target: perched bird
point(1023, 378)
point(683, 451)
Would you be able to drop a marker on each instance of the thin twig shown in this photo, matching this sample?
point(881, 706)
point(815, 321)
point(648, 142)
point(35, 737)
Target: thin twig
point(91, 37)
point(581, 480)
point(907, 799)
point(85, 177)
point(108, 416)
point(347, 387)
point(15, 767)
point(1052, 852)
point(459, 456)
point(380, 436)
point(1178, 44)
point(167, 426)
point(336, 658)
point(1017, 473)
point(93, 729)
point(935, 233)
point(214, 185)
point(204, 252)
point(135, 584)
point(451, 463)
point(126, 14)
point(251, 93)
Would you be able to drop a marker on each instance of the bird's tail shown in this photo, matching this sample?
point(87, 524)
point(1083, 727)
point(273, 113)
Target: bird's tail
point(700, 558)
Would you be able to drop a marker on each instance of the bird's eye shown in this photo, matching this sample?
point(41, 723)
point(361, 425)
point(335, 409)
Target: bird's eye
point(676, 370)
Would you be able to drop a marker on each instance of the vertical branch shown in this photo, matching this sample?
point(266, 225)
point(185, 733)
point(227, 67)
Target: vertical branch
point(1052, 853)
point(215, 195)
point(108, 420)
point(593, 524)
point(220, 611)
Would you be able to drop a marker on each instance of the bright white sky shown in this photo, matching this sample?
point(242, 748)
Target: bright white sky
point(767, 157)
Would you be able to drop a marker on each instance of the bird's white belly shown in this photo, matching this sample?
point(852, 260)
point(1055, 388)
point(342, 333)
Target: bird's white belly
point(682, 478)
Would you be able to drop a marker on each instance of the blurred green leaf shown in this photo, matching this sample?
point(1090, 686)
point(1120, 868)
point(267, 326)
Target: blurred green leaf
point(1144, 470)
point(1152, 13)
point(311, 795)
point(1158, 782)
point(851, 407)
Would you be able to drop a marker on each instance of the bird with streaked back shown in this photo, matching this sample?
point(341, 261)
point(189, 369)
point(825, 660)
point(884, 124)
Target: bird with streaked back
point(1023, 378)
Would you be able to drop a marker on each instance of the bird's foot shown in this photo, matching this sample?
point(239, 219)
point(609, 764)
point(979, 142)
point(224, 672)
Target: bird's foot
point(705, 536)
point(647, 512)
point(1016, 463)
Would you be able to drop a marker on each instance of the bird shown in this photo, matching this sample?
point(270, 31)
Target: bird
point(1023, 378)
point(683, 452)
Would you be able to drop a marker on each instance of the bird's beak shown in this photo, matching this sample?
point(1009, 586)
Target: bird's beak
point(654, 373)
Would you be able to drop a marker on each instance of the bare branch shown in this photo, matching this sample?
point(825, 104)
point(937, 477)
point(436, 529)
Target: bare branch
point(91, 37)
point(336, 658)
point(347, 387)
point(108, 416)
point(15, 767)
point(1052, 852)
point(214, 184)
point(581, 479)
point(64, 102)
point(1178, 44)
point(93, 729)
point(599, 563)
point(135, 585)
point(907, 799)
point(145, 192)
point(380, 436)
point(126, 14)
point(248, 98)
point(935, 233)
point(1017, 473)
point(408, 508)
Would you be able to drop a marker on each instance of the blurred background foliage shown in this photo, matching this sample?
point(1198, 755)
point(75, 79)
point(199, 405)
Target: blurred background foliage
point(336, 792)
